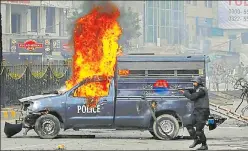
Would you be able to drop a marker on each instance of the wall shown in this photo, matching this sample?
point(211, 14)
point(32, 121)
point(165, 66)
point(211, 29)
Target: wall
point(200, 11)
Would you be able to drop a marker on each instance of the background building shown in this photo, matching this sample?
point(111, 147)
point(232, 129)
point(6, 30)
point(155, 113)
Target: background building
point(164, 22)
point(200, 19)
point(190, 27)
point(162, 25)
point(42, 22)
point(166, 26)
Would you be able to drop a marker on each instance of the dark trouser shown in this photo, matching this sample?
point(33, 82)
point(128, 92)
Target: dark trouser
point(199, 119)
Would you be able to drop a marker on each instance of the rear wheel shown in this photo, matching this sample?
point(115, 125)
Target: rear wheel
point(47, 126)
point(169, 124)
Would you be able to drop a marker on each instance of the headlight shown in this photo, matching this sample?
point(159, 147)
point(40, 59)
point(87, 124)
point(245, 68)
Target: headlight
point(34, 106)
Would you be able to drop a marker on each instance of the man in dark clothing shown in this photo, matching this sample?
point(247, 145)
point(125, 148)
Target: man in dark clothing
point(200, 114)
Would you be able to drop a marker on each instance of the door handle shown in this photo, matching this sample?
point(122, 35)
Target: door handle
point(103, 102)
point(138, 106)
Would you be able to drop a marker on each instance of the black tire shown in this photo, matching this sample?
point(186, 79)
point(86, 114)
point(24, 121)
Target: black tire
point(170, 121)
point(42, 131)
point(153, 135)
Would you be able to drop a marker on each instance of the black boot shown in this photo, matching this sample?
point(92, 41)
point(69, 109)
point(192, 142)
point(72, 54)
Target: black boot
point(196, 142)
point(203, 147)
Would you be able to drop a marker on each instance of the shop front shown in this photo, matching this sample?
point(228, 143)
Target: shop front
point(62, 46)
point(31, 50)
point(41, 50)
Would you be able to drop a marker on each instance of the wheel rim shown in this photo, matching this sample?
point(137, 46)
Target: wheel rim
point(167, 127)
point(48, 127)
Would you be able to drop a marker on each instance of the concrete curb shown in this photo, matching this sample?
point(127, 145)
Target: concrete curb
point(10, 115)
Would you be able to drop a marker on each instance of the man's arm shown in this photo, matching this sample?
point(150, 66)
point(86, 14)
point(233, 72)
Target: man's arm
point(191, 91)
point(194, 95)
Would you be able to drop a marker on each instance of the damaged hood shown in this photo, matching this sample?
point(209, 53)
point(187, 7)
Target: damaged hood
point(35, 97)
point(46, 95)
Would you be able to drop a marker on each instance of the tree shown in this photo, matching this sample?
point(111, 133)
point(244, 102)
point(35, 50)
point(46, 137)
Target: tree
point(218, 71)
point(222, 73)
point(129, 21)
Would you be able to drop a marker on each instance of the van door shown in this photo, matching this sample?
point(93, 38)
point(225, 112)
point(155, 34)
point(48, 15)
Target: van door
point(105, 115)
point(130, 109)
point(130, 112)
point(77, 113)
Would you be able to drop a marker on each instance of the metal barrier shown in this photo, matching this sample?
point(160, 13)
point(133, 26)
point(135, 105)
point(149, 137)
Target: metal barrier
point(228, 113)
point(26, 80)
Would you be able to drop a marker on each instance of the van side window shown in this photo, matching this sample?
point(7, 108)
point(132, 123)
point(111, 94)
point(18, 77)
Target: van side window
point(137, 72)
point(160, 72)
point(76, 93)
point(98, 88)
point(187, 72)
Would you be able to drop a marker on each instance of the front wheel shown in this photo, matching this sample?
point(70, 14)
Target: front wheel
point(47, 126)
point(153, 135)
point(169, 124)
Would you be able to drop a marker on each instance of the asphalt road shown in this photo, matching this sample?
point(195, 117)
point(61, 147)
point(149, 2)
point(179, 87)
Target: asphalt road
point(229, 138)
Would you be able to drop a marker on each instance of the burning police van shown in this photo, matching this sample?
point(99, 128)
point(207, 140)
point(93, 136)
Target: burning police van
point(155, 77)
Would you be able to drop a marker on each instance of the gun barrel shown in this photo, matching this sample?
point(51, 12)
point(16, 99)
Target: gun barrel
point(185, 88)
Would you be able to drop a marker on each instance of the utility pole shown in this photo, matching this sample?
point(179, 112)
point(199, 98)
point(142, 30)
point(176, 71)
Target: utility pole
point(1, 43)
point(1, 60)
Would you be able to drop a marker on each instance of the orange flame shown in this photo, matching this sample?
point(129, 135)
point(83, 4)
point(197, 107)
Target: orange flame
point(95, 44)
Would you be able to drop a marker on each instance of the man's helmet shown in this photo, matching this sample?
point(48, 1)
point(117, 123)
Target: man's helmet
point(197, 79)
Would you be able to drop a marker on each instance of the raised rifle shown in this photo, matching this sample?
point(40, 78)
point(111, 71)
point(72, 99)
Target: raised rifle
point(186, 88)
